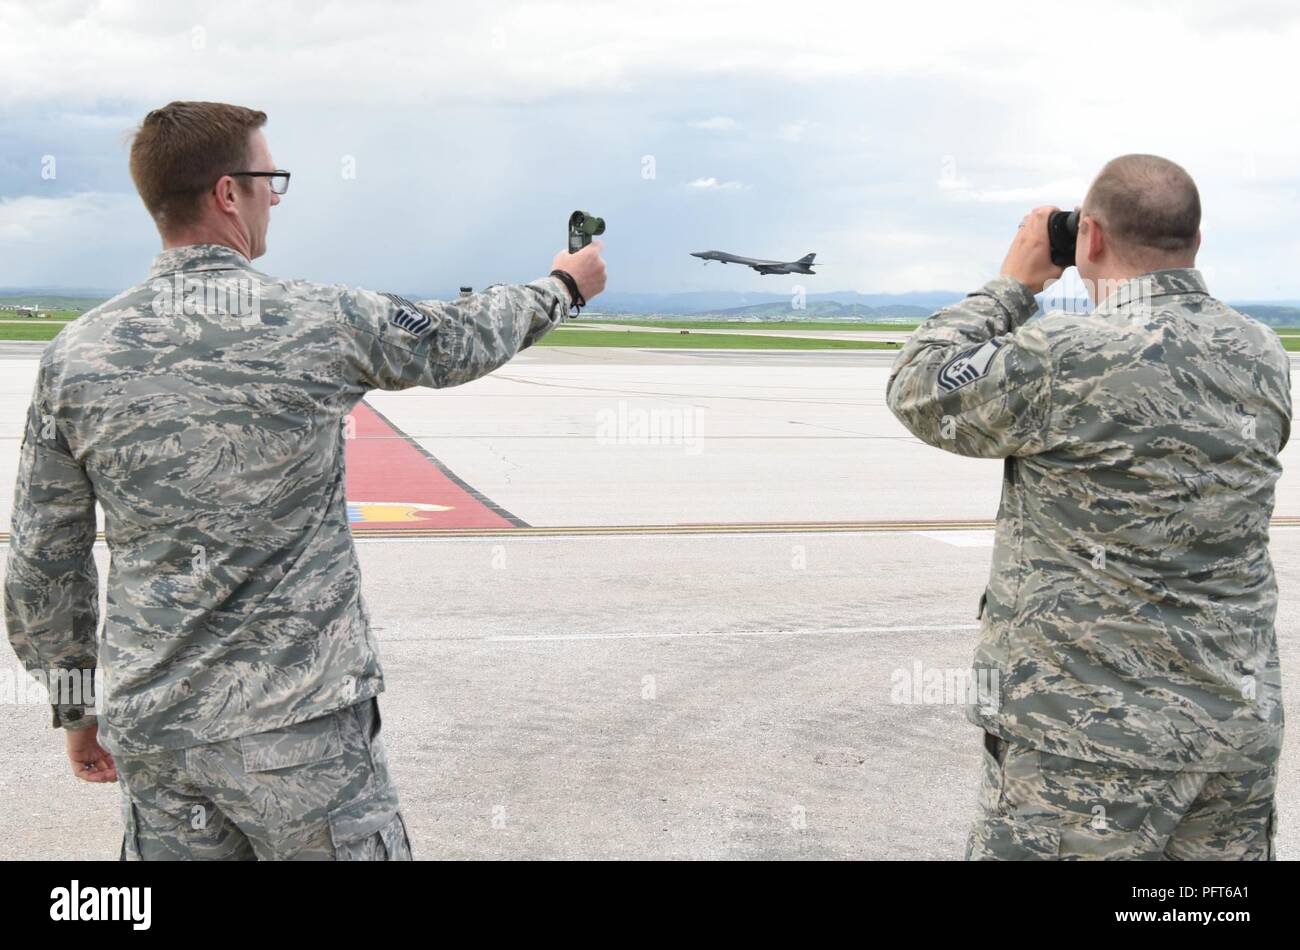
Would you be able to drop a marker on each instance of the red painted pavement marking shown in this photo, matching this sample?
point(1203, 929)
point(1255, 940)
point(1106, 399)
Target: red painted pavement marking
point(393, 485)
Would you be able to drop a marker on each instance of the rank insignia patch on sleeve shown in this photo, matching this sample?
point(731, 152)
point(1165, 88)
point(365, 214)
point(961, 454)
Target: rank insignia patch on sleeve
point(409, 317)
point(968, 367)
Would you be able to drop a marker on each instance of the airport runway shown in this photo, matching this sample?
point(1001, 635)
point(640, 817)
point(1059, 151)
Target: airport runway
point(625, 437)
point(641, 645)
point(758, 329)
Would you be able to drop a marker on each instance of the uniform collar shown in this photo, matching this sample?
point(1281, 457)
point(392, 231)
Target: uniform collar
point(1159, 283)
point(193, 257)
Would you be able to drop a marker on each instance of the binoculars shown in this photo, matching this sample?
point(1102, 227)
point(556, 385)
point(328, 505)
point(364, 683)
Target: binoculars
point(1063, 235)
point(582, 228)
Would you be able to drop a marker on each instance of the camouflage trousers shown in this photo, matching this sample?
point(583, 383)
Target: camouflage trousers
point(314, 791)
point(1037, 806)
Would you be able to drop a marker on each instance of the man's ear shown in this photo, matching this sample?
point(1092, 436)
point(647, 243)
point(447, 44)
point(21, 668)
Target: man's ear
point(1196, 248)
point(1096, 242)
point(224, 193)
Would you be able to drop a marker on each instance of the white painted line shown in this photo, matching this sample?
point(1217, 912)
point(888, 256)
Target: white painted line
point(825, 631)
point(961, 539)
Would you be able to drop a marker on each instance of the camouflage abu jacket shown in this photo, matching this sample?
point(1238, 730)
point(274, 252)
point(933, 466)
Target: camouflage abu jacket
point(204, 409)
point(1129, 613)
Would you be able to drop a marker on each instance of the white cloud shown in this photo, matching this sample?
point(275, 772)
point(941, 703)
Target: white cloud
point(719, 123)
point(88, 239)
point(712, 184)
point(414, 52)
point(898, 240)
point(1052, 192)
point(918, 111)
point(31, 216)
point(793, 131)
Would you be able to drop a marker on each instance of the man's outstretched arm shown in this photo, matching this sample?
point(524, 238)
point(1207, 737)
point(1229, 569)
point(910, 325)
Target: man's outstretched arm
point(394, 343)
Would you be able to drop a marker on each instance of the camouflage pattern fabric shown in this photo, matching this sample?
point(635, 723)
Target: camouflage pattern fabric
point(1129, 613)
point(315, 791)
point(206, 410)
point(1034, 806)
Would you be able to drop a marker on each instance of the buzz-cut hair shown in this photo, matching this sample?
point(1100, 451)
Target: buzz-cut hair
point(182, 150)
point(1146, 204)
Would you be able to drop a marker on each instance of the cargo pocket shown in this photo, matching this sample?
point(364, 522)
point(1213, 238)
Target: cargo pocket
point(1002, 838)
point(396, 841)
point(370, 723)
point(368, 831)
point(991, 779)
point(315, 740)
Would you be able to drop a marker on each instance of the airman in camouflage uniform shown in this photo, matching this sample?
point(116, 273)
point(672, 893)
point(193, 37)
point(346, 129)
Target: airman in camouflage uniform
point(205, 410)
point(1130, 608)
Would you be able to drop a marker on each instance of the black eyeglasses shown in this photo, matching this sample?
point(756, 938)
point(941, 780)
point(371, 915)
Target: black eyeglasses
point(279, 179)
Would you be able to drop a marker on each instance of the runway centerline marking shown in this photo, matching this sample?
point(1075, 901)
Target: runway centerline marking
point(576, 637)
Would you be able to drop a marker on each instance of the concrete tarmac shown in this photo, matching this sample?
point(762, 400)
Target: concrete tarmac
point(654, 697)
point(725, 694)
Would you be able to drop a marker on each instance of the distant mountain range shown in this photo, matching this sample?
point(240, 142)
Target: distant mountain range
point(818, 310)
point(846, 305)
point(843, 304)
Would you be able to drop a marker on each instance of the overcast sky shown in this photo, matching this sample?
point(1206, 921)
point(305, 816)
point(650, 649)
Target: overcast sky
point(902, 143)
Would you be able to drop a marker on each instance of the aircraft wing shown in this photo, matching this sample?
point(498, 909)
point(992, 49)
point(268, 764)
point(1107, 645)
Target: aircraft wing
point(747, 261)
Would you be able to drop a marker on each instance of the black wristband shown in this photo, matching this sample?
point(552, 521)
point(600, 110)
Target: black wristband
point(575, 298)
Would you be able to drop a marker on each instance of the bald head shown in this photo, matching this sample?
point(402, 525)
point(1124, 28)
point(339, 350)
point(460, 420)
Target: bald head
point(1149, 209)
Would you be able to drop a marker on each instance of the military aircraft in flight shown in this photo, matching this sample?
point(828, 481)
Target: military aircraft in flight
point(802, 266)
